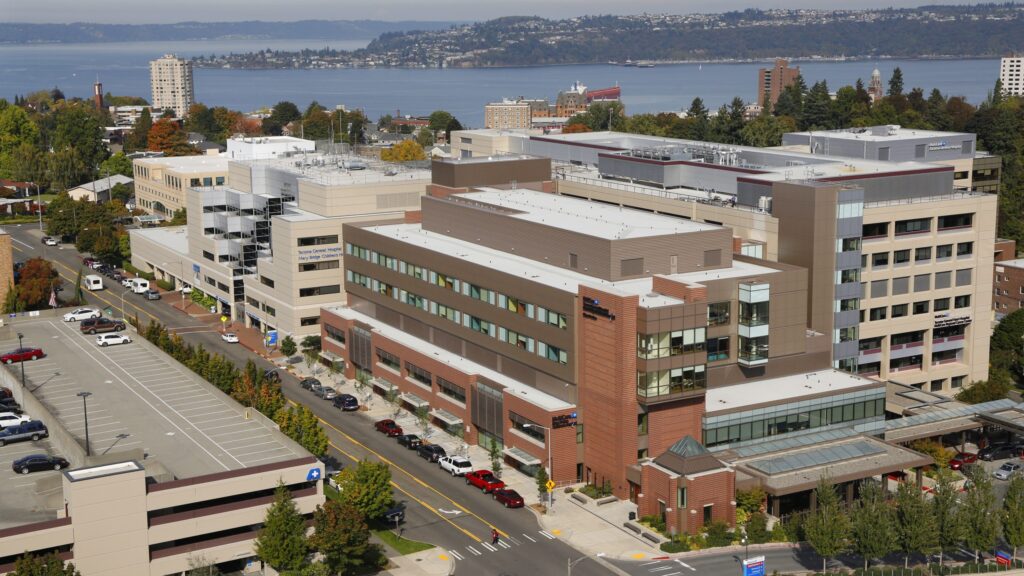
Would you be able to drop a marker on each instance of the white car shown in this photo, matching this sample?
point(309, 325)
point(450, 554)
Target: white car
point(126, 282)
point(113, 339)
point(186, 289)
point(229, 337)
point(1007, 470)
point(51, 241)
point(79, 314)
point(455, 465)
point(10, 419)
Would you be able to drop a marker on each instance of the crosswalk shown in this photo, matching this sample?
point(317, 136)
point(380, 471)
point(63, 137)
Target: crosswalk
point(505, 543)
point(674, 567)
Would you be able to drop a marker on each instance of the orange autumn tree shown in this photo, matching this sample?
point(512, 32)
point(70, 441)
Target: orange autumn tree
point(167, 136)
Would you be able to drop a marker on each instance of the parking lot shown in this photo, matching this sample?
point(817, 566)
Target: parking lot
point(18, 500)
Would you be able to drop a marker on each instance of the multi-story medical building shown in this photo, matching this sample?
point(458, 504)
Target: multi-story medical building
point(170, 80)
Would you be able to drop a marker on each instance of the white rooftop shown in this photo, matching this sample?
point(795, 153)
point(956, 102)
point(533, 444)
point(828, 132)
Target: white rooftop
point(171, 237)
point(585, 217)
point(780, 390)
point(1018, 263)
point(739, 269)
point(882, 133)
point(341, 170)
point(104, 470)
point(189, 164)
point(518, 389)
point(105, 183)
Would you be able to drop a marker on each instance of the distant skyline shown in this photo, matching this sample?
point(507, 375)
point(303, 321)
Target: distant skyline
point(126, 12)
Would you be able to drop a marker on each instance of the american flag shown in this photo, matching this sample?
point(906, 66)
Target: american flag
point(53, 299)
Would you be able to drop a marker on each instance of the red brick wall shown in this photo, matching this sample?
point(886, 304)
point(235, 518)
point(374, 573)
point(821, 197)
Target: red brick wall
point(687, 292)
point(669, 423)
point(413, 216)
point(607, 389)
point(563, 440)
point(326, 317)
point(716, 488)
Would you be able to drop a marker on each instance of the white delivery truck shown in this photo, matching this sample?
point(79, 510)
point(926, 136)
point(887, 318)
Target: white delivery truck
point(139, 285)
point(93, 282)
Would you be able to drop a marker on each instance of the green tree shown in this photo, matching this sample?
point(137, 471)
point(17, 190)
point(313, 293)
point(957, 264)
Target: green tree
point(453, 125)
point(116, 164)
point(995, 388)
point(494, 453)
point(311, 342)
point(77, 127)
point(367, 487)
point(896, 83)
point(48, 565)
point(201, 566)
point(139, 137)
point(317, 125)
point(288, 347)
point(541, 479)
point(1013, 514)
point(178, 218)
point(916, 530)
point(766, 130)
point(284, 112)
point(977, 512)
point(439, 120)
point(301, 424)
point(200, 120)
point(944, 509)
point(828, 528)
point(341, 536)
point(817, 111)
point(11, 301)
point(282, 541)
point(757, 528)
point(425, 137)
point(872, 523)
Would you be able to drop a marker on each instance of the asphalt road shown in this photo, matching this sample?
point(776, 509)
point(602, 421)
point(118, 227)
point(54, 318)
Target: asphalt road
point(439, 509)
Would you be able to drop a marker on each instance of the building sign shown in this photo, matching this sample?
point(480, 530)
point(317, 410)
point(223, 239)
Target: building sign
point(313, 474)
point(1002, 558)
point(947, 321)
point(563, 421)
point(754, 566)
point(316, 254)
point(943, 145)
point(592, 309)
point(271, 337)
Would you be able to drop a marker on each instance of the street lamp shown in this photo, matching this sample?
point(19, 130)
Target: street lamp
point(85, 412)
point(570, 562)
point(547, 440)
point(746, 545)
point(22, 356)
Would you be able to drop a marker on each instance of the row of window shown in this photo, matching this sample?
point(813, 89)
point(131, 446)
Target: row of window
point(321, 265)
point(421, 375)
point(917, 225)
point(923, 254)
point(915, 337)
point(492, 297)
point(270, 310)
point(543, 349)
point(742, 432)
point(919, 307)
point(921, 283)
point(914, 362)
point(319, 290)
point(206, 181)
point(318, 240)
point(672, 381)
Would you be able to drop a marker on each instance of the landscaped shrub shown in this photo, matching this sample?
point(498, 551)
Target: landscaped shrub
point(165, 285)
point(717, 534)
point(679, 544)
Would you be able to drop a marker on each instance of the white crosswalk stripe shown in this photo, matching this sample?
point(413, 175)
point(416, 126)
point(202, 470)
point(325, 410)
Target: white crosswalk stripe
point(527, 536)
point(473, 550)
point(455, 554)
point(685, 565)
point(488, 546)
point(547, 534)
point(503, 544)
point(660, 569)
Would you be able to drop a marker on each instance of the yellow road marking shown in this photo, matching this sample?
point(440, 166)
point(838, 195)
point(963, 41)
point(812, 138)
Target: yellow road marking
point(421, 502)
point(639, 555)
point(443, 557)
point(556, 532)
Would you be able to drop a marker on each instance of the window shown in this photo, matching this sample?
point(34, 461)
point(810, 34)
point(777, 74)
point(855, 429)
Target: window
point(900, 285)
point(210, 280)
point(957, 381)
point(922, 282)
point(923, 254)
point(193, 182)
point(965, 249)
point(899, 310)
point(208, 255)
point(941, 304)
point(915, 226)
point(526, 426)
point(207, 181)
point(955, 221)
point(451, 390)
point(318, 240)
point(943, 251)
point(848, 244)
point(879, 288)
point(963, 277)
point(319, 291)
point(753, 314)
point(908, 338)
point(901, 256)
point(335, 333)
point(878, 314)
point(219, 180)
point(877, 230)
point(844, 305)
point(388, 359)
point(418, 374)
point(962, 301)
point(574, 261)
point(880, 260)
point(270, 310)
point(222, 286)
point(322, 265)
point(718, 348)
point(718, 313)
point(847, 276)
point(921, 307)
point(266, 281)
point(942, 280)
point(309, 321)
point(681, 497)
point(641, 424)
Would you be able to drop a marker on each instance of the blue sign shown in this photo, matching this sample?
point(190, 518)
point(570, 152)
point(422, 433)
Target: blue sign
point(195, 268)
point(313, 474)
point(271, 337)
point(754, 566)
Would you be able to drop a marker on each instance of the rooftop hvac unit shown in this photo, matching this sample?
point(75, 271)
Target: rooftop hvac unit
point(764, 203)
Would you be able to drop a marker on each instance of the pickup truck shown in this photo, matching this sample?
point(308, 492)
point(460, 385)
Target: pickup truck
point(485, 480)
point(455, 465)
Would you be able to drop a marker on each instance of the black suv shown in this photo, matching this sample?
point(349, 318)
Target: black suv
point(431, 452)
point(346, 402)
point(308, 383)
point(95, 325)
point(272, 376)
point(31, 430)
point(996, 452)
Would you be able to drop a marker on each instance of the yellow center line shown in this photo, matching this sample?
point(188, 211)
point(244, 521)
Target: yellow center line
point(421, 502)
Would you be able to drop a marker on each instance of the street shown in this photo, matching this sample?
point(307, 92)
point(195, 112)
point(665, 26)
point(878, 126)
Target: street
point(439, 509)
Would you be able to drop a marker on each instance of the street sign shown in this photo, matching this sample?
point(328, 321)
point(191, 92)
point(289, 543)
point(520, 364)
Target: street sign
point(754, 566)
point(271, 337)
point(223, 318)
point(1002, 558)
point(550, 485)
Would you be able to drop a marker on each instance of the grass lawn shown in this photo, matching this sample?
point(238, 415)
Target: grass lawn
point(401, 545)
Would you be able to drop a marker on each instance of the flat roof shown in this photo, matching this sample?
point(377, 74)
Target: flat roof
point(1017, 263)
point(783, 389)
point(889, 133)
point(188, 164)
point(336, 169)
point(582, 216)
point(506, 157)
point(515, 387)
point(105, 470)
point(172, 237)
point(105, 183)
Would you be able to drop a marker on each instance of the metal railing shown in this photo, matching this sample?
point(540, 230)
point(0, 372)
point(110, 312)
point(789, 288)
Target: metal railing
point(711, 198)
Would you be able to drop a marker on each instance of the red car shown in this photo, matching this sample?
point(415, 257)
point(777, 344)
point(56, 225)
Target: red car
point(961, 459)
point(508, 498)
point(20, 354)
point(388, 427)
point(485, 480)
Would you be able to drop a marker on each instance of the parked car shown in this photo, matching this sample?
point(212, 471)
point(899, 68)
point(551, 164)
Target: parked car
point(31, 430)
point(50, 241)
point(996, 452)
point(88, 262)
point(96, 325)
point(329, 393)
point(388, 427)
point(961, 459)
point(95, 265)
point(126, 282)
point(308, 382)
point(272, 375)
point(151, 294)
point(455, 465)
point(508, 498)
point(1007, 470)
point(410, 441)
point(113, 339)
point(21, 354)
point(38, 463)
point(79, 314)
point(395, 515)
point(317, 388)
point(229, 337)
point(346, 402)
point(11, 419)
point(9, 405)
point(6, 393)
point(431, 452)
point(186, 289)
point(485, 480)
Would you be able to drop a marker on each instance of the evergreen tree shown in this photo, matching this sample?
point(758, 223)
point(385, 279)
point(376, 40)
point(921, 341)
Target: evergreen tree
point(1013, 514)
point(288, 347)
point(896, 83)
point(49, 565)
point(341, 536)
point(757, 528)
point(828, 528)
point(817, 111)
point(997, 93)
point(367, 487)
point(139, 139)
point(916, 530)
point(979, 519)
point(872, 523)
point(541, 479)
point(282, 541)
point(944, 510)
point(936, 114)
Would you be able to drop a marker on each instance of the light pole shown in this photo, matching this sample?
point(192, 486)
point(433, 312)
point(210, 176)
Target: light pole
point(547, 440)
point(22, 356)
point(85, 412)
point(570, 562)
point(39, 205)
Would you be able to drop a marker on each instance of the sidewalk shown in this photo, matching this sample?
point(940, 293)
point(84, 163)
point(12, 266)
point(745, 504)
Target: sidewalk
point(433, 562)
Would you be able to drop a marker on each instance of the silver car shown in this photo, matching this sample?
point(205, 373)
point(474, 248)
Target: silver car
point(1007, 470)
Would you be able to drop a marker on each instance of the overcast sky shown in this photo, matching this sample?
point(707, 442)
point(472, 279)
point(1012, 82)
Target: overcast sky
point(125, 11)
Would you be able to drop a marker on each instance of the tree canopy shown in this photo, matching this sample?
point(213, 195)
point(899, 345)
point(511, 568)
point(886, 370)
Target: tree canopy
point(282, 541)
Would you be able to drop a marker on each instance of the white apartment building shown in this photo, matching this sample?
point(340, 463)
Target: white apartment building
point(170, 79)
point(1011, 72)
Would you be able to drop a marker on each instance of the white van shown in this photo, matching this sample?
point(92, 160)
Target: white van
point(140, 285)
point(93, 282)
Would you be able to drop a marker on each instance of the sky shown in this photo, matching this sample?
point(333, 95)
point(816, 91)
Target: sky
point(132, 11)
